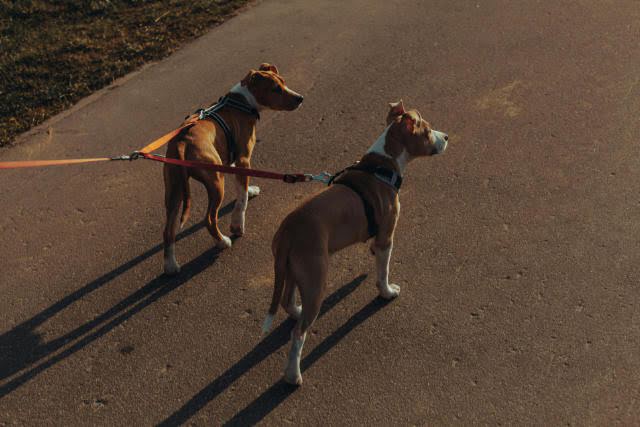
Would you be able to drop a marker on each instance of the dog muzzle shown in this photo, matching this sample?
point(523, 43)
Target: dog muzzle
point(440, 140)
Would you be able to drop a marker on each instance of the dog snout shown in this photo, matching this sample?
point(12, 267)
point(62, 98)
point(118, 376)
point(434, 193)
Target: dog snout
point(441, 141)
point(299, 99)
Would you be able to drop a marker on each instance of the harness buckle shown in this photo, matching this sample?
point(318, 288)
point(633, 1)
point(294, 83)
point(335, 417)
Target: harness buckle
point(323, 177)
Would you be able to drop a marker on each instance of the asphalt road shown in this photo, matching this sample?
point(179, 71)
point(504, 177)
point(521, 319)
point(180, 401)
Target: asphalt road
point(517, 251)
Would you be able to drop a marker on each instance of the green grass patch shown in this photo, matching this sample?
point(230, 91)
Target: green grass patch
point(53, 53)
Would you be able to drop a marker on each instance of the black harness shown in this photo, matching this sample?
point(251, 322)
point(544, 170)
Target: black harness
point(387, 176)
point(212, 114)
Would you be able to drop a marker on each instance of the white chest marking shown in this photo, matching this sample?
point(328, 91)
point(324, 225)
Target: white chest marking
point(378, 148)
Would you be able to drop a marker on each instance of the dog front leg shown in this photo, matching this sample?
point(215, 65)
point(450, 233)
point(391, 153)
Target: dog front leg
point(383, 255)
point(243, 192)
point(381, 247)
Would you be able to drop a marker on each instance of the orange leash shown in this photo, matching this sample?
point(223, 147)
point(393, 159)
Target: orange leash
point(38, 163)
point(163, 140)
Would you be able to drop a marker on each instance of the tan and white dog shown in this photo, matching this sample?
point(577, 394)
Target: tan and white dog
point(206, 141)
point(362, 203)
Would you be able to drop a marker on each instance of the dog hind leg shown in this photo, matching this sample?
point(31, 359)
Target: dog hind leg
point(186, 200)
point(289, 300)
point(312, 281)
point(215, 191)
point(174, 195)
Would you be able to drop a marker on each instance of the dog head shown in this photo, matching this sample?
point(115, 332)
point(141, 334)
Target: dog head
point(269, 90)
point(409, 132)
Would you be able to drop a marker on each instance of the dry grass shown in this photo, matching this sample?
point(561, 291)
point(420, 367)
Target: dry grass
point(52, 53)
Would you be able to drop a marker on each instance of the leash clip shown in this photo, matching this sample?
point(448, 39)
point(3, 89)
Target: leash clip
point(133, 156)
point(324, 177)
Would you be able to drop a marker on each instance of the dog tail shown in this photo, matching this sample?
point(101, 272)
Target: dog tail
point(281, 255)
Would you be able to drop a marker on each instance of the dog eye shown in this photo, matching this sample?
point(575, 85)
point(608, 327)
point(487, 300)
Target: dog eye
point(277, 89)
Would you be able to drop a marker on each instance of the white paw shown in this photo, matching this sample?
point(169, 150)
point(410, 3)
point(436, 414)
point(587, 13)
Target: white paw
point(253, 190)
point(293, 376)
point(171, 267)
point(237, 229)
point(224, 243)
point(390, 292)
point(237, 223)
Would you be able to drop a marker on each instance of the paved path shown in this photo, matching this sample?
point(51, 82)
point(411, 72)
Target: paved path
point(517, 251)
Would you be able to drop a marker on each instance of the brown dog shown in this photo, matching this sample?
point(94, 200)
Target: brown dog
point(362, 203)
point(225, 138)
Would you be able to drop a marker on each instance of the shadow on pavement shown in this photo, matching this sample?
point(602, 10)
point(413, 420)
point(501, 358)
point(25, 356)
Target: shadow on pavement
point(270, 344)
point(280, 391)
point(21, 347)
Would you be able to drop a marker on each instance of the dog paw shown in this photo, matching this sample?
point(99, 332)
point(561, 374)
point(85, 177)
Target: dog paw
point(390, 292)
point(237, 230)
point(224, 243)
point(171, 267)
point(253, 190)
point(292, 377)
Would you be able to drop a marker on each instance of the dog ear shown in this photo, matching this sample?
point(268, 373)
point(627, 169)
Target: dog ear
point(247, 79)
point(250, 77)
point(396, 108)
point(408, 122)
point(265, 66)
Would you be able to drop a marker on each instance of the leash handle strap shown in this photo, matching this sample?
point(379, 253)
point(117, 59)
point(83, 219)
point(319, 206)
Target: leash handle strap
point(288, 178)
point(39, 163)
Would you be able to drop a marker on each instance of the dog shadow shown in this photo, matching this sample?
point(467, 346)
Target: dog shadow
point(278, 392)
point(22, 346)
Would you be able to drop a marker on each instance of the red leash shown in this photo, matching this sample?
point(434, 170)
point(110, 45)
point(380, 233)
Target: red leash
point(290, 178)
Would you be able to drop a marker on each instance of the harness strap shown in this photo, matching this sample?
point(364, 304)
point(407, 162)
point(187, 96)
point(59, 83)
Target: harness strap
point(372, 227)
point(228, 135)
point(212, 113)
point(388, 176)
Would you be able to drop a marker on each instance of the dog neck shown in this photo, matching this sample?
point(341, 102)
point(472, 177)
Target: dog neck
point(247, 95)
point(378, 147)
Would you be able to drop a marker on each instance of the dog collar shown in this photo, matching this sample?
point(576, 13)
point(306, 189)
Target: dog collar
point(227, 101)
point(251, 105)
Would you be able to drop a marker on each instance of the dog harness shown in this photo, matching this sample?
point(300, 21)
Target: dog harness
point(388, 176)
point(212, 114)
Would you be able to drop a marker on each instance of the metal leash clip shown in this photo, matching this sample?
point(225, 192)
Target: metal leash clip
point(324, 177)
point(133, 156)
